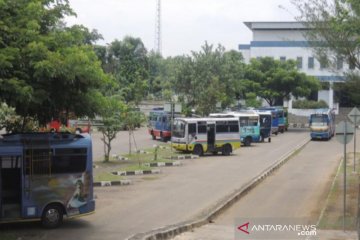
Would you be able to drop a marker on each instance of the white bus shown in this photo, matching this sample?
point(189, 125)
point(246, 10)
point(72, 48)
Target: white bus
point(249, 125)
point(206, 135)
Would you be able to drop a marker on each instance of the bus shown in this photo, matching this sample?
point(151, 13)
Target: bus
point(206, 135)
point(45, 176)
point(159, 125)
point(274, 118)
point(322, 124)
point(249, 125)
point(265, 125)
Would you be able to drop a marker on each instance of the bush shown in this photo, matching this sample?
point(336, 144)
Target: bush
point(308, 104)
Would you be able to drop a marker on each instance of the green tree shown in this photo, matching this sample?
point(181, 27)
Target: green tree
point(273, 80)
point(111, 113)
point(46, 67)
point(334, 28)
point(208, 77)
point(127, 61)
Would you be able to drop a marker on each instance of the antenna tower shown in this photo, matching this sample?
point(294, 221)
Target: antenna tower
point(158, 27)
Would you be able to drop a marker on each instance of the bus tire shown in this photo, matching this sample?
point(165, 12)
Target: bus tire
point(226, 150)
point(198, 150)
point(153, 135)
point(247, 141)
point(52, 216)
point(162, 138)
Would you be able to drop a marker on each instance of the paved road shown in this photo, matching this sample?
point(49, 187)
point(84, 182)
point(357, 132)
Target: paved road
point(296, 190)
point(177, 195)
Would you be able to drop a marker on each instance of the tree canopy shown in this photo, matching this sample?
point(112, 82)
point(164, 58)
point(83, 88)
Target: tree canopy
point(273, 80)
point(46, 67)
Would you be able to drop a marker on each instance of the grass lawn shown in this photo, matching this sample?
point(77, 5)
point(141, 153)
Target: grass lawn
point(106, 176)
point(333, 214)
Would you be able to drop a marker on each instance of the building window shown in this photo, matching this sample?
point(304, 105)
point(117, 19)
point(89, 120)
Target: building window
point(282, 59)
point(351, 65)
point(311, 63)
point(323, 63)
point(299, 62)
point(339, 63)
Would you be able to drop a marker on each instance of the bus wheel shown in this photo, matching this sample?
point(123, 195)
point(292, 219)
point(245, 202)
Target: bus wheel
point(162, 138)
point(198, 150)
point(52, 216)
point(247, 141)
point(226, 150)
point(153, 135)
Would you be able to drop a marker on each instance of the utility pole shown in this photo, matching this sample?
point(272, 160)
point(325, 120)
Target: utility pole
point(158, 28)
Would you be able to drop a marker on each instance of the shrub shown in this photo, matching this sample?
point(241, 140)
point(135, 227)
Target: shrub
point(309, 104)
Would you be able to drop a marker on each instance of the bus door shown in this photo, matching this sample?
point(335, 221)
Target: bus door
point(211, 135)
point(10, 186)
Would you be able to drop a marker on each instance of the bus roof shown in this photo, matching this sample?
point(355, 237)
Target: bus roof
point(235, 114)
point(41, 139)
point(208, 119)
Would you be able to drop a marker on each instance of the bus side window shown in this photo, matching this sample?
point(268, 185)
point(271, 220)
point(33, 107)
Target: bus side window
point(192, 129)
point(201, 128)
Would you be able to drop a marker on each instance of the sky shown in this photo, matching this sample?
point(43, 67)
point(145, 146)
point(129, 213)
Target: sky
point(185, 24)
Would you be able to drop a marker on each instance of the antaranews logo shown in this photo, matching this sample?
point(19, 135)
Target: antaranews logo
point(244, 228)
point(274, 228)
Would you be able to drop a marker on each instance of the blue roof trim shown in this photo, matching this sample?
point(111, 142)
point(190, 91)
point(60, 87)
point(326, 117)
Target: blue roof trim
point(244, 46)
point(331, 78)
point(280, 44)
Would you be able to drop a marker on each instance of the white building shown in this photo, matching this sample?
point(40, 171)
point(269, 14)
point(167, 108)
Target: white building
point(285, 40)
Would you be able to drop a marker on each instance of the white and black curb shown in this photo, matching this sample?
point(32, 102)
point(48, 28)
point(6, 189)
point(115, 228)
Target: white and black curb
point(137, 172)
point(171, 231)
point(142, 152)
point(181, 157)
point(120, 158)
point(163, 164)
point(112, 183)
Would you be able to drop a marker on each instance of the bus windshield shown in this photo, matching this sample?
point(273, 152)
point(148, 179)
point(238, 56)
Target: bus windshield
point(178, 129)
point(318, 120)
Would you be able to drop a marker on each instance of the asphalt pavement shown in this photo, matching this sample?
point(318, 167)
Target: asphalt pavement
point(176, 195)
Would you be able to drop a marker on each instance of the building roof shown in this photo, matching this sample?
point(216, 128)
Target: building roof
point(276, 25)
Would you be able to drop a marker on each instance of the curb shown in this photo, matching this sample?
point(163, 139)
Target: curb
point(173, 230)
point(163, 164)
point(184, 157)
point(111, 183)
point(137, 172)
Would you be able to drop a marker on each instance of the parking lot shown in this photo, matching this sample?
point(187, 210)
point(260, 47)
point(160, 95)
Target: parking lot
point(176, 195)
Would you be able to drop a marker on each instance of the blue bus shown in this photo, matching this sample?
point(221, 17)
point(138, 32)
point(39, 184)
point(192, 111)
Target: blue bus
point(265, 118)
point(159, 125)
point(249, 125)
point(274, 118)
point(322, 124)
point(45, 176)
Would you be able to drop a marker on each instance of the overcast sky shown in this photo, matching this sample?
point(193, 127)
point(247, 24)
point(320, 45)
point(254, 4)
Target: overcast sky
point(186, 24)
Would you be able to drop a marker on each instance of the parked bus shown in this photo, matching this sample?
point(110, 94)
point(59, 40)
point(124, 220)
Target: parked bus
point(249, 125)
point(274, 119)
point(322, 124)
point(159, 124)
point(206, 135)
point(265, 125)
point(44, 176)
